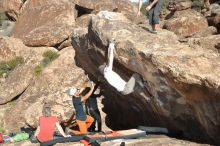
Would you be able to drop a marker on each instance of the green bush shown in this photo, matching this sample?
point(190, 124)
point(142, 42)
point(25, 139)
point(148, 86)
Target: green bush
point(197, 5)
point(7, 66)
point(3, 69)
point(2, 130)
point(14, 62)
point(165, 4)
point(38, 69)
point(49, 56)
point(2, 17)
point(143, 8)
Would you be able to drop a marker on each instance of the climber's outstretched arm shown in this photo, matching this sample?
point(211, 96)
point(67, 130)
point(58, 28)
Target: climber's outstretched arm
point(110, 55)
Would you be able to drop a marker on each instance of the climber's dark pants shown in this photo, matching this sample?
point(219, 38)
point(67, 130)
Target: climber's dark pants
point(130, 85)
point(97, 118)
point(155, 12)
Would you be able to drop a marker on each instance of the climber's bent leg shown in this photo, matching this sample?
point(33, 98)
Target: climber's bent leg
point(129, 86)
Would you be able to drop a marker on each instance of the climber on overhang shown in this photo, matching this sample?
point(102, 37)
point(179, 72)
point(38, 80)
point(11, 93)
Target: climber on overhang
point(116, 81)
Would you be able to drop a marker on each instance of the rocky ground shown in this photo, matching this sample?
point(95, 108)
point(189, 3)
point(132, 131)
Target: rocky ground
point(150, 140)
point(181, 64)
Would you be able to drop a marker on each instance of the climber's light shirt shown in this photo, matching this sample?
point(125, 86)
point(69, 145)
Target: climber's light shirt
point(114, 79)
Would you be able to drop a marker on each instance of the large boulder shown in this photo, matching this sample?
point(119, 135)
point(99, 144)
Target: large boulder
point(185, 23)
point(94, 6)
point(83, 21)
point(51, 22)
point(48, 87)
point(181, 80)
point(19, 79)
point(211, 30)
point(178, 5)
point(210, 42)
point(214, 18)
point(12, 8)
point(129, 10)
point(212, 1)
point(215, 8)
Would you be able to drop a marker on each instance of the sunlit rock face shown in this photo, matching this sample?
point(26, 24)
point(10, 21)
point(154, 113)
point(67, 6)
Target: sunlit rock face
point(125, 7)
point(178, 5)
point(51, 22)
point(210, 42)
point(19, 79)
point(11, 7)
point(185, 22)
point(47, 87)
point(183, 81)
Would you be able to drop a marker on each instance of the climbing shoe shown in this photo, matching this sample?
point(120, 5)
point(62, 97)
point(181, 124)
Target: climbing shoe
point(153, 31)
